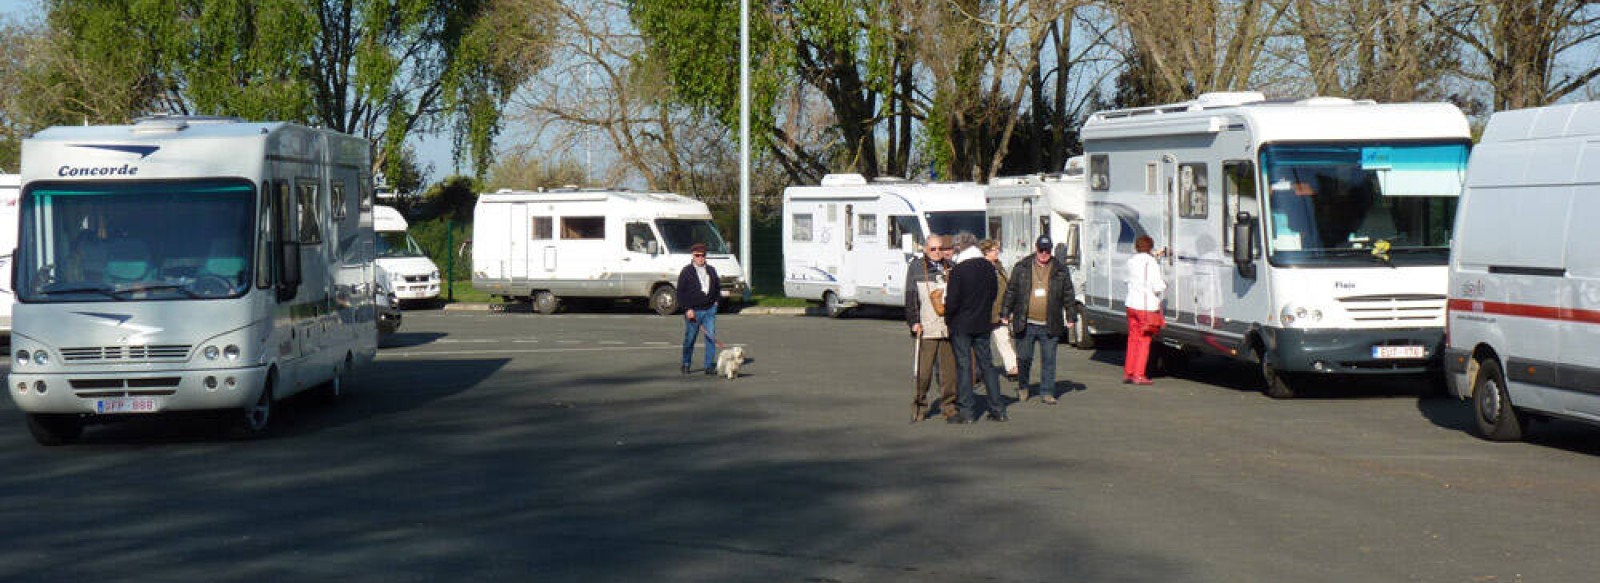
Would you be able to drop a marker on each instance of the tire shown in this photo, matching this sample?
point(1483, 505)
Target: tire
point(664, 299)
point(253, 421)
point(52, 430)
point(831, 305)
point(1275, 383)
point(1497, 419)
point(331, 391)
point(546, 303)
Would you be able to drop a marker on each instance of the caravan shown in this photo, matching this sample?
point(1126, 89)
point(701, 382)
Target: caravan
point(10, 186)
point(182, 264)
point(410, 274)
point(588, 243)
point(1524, 275)
point(1307, 237)
point(847, 242)
point(1023, 208)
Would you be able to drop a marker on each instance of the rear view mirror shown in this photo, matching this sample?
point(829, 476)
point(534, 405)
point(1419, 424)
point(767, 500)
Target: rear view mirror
point(908, 244)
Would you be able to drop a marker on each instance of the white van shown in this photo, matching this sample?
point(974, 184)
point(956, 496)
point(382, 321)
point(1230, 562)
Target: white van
point(847, 242)
point(594, 243)
point(411, 275)
point(1306, 237)
point(182, 264)
point(10, 186)
point(1525, 274)
point(1021, 208)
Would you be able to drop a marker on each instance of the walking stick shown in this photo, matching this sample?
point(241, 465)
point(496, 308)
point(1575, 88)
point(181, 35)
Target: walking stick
point(916, 358)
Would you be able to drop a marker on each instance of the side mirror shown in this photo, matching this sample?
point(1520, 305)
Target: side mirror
point(1244, 244)
point(652, 247)
point(908, 244)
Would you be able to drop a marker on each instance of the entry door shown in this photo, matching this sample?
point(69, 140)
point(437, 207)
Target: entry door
point(517, 233)
point(1170, 180)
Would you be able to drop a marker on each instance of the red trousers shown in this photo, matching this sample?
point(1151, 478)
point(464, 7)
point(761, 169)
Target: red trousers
point(1138, 357)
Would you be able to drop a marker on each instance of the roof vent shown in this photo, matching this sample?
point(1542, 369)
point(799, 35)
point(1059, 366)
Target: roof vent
point(843, 180)
point(1228, 98)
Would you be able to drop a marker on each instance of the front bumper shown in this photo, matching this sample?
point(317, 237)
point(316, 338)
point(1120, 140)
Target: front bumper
point(735, 290)
point(416, 291)
point(176, 390)
point(1352, 351)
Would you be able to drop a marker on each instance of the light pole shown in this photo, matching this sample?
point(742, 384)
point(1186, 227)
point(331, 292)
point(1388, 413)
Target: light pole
point(744, 144)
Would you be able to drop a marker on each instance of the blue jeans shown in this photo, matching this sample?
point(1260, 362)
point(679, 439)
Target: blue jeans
point(1037, 334)
point(704, 318)
point(965, 346)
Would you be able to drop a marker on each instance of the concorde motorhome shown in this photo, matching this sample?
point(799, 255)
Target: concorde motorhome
point(9, 188)
point(413, 277)
point(589, 243)
point(1021, 208)
point(189, 264)
point(1524, 272)
point(847, 242)
point(1307, 237)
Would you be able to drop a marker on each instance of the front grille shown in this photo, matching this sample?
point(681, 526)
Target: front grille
point(140, 387)
point(157, 352)
point(1404, 308)
point(416, 279)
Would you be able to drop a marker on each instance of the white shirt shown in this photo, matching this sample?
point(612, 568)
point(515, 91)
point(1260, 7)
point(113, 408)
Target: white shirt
point(1144, 283)
point(705, 279)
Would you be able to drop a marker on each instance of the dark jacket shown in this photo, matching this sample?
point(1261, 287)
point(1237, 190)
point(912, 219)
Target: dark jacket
point(689, 295)
point(918, 271)
point(1059, 296)
point(970, 298)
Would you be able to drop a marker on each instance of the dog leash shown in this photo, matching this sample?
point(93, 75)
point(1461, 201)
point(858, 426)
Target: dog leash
point(702, 326)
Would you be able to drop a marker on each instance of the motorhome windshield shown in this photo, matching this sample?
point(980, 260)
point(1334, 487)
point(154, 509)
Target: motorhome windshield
point(681, 234)
point(398, 244)
point(106, 242)
point(1343, 204)
point(952, 222)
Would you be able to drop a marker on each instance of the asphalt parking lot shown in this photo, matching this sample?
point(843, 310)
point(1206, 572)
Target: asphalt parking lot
point(518, 447)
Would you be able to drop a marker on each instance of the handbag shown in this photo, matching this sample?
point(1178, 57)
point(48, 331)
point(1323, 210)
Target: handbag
point(935, 295)
point(1155, 322)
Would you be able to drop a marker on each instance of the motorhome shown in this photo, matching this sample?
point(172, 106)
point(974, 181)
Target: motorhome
point(1524, 277)
point(412, 276)
point(847, 241)
point(543, 246)
point(10, 186)
point(1022, 208)
point(181, 264)
point(1307, 237)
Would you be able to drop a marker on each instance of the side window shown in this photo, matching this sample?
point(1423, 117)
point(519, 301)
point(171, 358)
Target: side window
point(310, 228)
point(995, 225)
point(541, 228)
point(1238, 194)
point(867, 225)
point(899, 226)
point(1193, 195)
point(639, 237)
point(1152, 177)
point(800, 229)
point(339, 211)
point(264, 243)
point(583, 228)
point(1100, 172)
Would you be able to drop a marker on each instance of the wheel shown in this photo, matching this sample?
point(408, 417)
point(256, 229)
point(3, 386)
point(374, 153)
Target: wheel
point(55, 429)
point(1497, 418)
point(664, 300)
point(1276, 384)
point(546, 303)
point(252, 421)
point(831, 305)
point(330, 391)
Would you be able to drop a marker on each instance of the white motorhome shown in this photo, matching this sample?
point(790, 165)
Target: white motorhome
point(1306, 237)
point(182, 264)
point(1524, 273)
point(412, 276)
point(10, 187)
point(847, 242)
point(1022, 208)
point(594, 243)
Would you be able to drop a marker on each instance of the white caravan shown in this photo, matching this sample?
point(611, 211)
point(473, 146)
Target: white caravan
point(1022, 208)
point(847, 242)
point(1321, 249)
point(411, 275)
point(1524, 273)
point(10, 186)
point(592, 243)
point(182, 264)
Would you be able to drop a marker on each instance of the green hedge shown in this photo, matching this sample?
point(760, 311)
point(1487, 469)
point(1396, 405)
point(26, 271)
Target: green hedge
point(441, 239)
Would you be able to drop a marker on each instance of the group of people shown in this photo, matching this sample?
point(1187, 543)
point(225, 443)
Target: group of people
point(963, 305)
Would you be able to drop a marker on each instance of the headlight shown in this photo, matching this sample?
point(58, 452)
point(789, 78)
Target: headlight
point(434, 275)
point(211, 352)
point(1292, 315)
point(41, 357)
point(231, 352)
point(23, 357)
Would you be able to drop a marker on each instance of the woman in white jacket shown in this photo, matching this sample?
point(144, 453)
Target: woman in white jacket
point(1145, 286)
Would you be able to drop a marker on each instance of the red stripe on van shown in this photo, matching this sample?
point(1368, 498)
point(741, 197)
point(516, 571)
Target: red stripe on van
point(1525, 311)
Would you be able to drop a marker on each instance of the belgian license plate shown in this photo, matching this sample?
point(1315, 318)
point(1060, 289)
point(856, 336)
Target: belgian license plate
point(119, 405)
point(1397, 352)
point(727, 293)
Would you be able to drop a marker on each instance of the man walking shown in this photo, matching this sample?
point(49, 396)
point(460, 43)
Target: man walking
point(924, 276)
point(699, 289)
point(968, 305)
point(1035, 307)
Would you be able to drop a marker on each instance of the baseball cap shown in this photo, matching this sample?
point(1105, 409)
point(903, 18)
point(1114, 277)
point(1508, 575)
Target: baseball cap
point(698, 248)
point(1042, 243)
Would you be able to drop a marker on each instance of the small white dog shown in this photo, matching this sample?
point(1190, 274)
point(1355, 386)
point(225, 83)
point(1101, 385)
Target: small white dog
point(729, 360)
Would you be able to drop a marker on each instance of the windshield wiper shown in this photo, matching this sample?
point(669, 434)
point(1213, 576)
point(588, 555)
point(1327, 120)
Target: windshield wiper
point(99, 289)
point(154, 287)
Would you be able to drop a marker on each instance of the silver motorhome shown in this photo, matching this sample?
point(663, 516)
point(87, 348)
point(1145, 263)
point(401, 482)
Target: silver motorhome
point(1307, 237)
point(184, 264)
point(1022, 208)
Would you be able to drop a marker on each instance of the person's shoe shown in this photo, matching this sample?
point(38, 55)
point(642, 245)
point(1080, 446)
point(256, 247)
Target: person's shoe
point(1127, 380)
point(958, 420)
point(711, 371)
point(1048, 400)
point(1143, 381)
point(1000, 417)
point(686, 369)
point(916, 413)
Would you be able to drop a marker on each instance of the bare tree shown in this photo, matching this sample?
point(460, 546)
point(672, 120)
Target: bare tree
point(1388, 50)
point(1196, 46)
point(1522, 45)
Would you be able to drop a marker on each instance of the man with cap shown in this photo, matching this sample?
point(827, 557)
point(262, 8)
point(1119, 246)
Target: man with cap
point(699, 289)
point(1036, 306)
